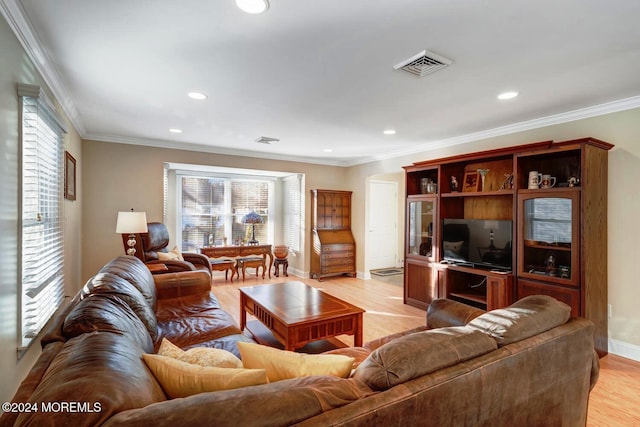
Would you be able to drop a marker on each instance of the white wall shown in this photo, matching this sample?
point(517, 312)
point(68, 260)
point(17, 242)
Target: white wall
point(16, 68)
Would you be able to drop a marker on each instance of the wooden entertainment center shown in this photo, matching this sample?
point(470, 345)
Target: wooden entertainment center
point(553, 196)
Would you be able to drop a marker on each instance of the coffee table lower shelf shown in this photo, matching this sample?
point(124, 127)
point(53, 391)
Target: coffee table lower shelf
point(264, 336)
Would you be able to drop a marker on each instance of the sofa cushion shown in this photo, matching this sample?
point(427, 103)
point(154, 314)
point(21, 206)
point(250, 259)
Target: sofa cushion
point(359, 354)
point(188, 321)
point(281, 364)
point(111, 284)
point(181, 379)
point(106, 313)
point(415, 355)
point(100, 368)
point(135, 272)
point(283, 403)
point(523, 319)
point(203, 356)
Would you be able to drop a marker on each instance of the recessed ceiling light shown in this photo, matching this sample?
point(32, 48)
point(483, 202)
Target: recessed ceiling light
point(253, 6)
point(175, 130)
point(507, 95)
point(197, 95)
point(328, 150)
point(389, 131)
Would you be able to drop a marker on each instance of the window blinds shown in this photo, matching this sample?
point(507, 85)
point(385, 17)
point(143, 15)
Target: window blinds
point(292, 211)
point(42, 183)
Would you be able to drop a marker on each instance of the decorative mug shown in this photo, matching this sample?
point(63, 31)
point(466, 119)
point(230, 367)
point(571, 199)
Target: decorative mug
point(535, 178)
point(548, 181)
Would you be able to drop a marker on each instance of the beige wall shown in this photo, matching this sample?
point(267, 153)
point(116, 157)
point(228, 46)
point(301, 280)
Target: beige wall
point(621, 129)
point(119, 177)
point(16, 68)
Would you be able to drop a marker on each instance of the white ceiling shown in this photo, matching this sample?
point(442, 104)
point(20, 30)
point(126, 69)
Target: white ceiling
point(319, 74)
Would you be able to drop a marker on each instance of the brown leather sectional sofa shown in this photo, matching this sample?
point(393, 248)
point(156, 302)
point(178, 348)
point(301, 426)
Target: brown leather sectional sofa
point(528, 364)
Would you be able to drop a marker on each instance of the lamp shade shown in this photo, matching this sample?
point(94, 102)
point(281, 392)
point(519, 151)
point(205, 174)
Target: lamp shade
point(252, 218)
point(131, 222)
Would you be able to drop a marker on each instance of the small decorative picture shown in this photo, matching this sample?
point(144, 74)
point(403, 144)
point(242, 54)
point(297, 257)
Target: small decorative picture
point(69, 176)
point(471, 182)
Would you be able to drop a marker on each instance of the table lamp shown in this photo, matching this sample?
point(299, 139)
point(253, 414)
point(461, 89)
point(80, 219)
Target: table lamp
point(131, 223)
point(252, 218)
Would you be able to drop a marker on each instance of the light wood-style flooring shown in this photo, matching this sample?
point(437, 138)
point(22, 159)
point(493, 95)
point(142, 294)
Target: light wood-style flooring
point(614, 401)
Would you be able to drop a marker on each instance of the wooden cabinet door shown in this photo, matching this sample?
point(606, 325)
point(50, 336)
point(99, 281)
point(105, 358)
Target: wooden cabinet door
point(420, 285)
point(571, 297)
point(499, 291)
point(341, 210)
point(324, 210)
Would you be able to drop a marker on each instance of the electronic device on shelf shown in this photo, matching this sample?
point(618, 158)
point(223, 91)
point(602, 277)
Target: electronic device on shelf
point(483, 244)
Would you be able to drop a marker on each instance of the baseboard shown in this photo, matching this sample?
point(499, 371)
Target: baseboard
point(624, 349)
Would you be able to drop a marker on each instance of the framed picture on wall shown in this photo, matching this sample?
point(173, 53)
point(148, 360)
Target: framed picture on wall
point(69, 176)
point(471, 182)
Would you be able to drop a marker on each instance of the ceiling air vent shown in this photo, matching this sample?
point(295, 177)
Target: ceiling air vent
point(266, 140)
point(423, 63)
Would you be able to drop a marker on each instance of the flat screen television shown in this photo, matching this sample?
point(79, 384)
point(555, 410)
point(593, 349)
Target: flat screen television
point(478, 243)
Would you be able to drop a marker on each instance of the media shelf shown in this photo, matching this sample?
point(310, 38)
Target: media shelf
point(493, 193)
point(559, 230)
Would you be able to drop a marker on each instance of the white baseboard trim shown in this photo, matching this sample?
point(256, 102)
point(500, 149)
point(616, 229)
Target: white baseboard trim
point(624, 349)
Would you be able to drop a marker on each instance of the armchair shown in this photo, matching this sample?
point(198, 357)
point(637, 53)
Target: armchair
point(156, 240)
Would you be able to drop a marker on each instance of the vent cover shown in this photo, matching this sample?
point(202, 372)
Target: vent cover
point(423, 63)
point(266, 140)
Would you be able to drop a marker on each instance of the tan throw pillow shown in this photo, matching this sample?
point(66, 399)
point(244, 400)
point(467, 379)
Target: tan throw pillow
point(215, 357)
point(173, 255)
point(169, 349)
point(182, 379)
point(203, 356)
point(281, 364)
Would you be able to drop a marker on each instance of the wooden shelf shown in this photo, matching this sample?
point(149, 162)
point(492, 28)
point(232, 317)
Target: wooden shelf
point(542, 214)
point(481, 299)
point(479, 193)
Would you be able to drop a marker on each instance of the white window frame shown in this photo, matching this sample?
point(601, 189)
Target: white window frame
point(41, 231)
point(228, 217)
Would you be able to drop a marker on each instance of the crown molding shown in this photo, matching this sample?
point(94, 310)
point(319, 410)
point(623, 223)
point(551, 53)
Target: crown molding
point(16, 18)
point(556, 119)
point(188, 146)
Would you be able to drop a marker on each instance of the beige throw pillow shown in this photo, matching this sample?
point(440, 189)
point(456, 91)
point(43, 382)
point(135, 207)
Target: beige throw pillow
point(203, 356)
point(281, 364)
point(182, 379)
point(169, 349)
point(173, 255)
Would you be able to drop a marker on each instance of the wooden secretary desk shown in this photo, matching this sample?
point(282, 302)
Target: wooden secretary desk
point(333, 248)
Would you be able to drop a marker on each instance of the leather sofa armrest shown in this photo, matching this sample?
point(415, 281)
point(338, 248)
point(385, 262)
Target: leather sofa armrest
point(444, 312)
point(173, 285)
point(199, 260)
point(172, 266)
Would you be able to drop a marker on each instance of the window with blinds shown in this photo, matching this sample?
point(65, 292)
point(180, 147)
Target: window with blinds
point(42, 186)
point(292, 188)
point(213, 208)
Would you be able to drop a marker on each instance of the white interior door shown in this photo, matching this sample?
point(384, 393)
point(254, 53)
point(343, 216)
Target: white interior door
point(383, 225)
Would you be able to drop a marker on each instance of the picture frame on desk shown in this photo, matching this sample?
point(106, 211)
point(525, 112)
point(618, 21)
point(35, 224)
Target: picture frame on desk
point(471, 182)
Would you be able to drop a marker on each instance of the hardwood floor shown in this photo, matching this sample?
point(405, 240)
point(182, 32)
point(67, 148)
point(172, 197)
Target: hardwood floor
point(614, 401)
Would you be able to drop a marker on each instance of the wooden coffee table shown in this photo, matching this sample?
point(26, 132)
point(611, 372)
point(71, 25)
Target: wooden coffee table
point(297, 314)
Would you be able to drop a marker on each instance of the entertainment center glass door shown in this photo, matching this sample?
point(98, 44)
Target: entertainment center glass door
point(421, 225)
point(548, 247)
